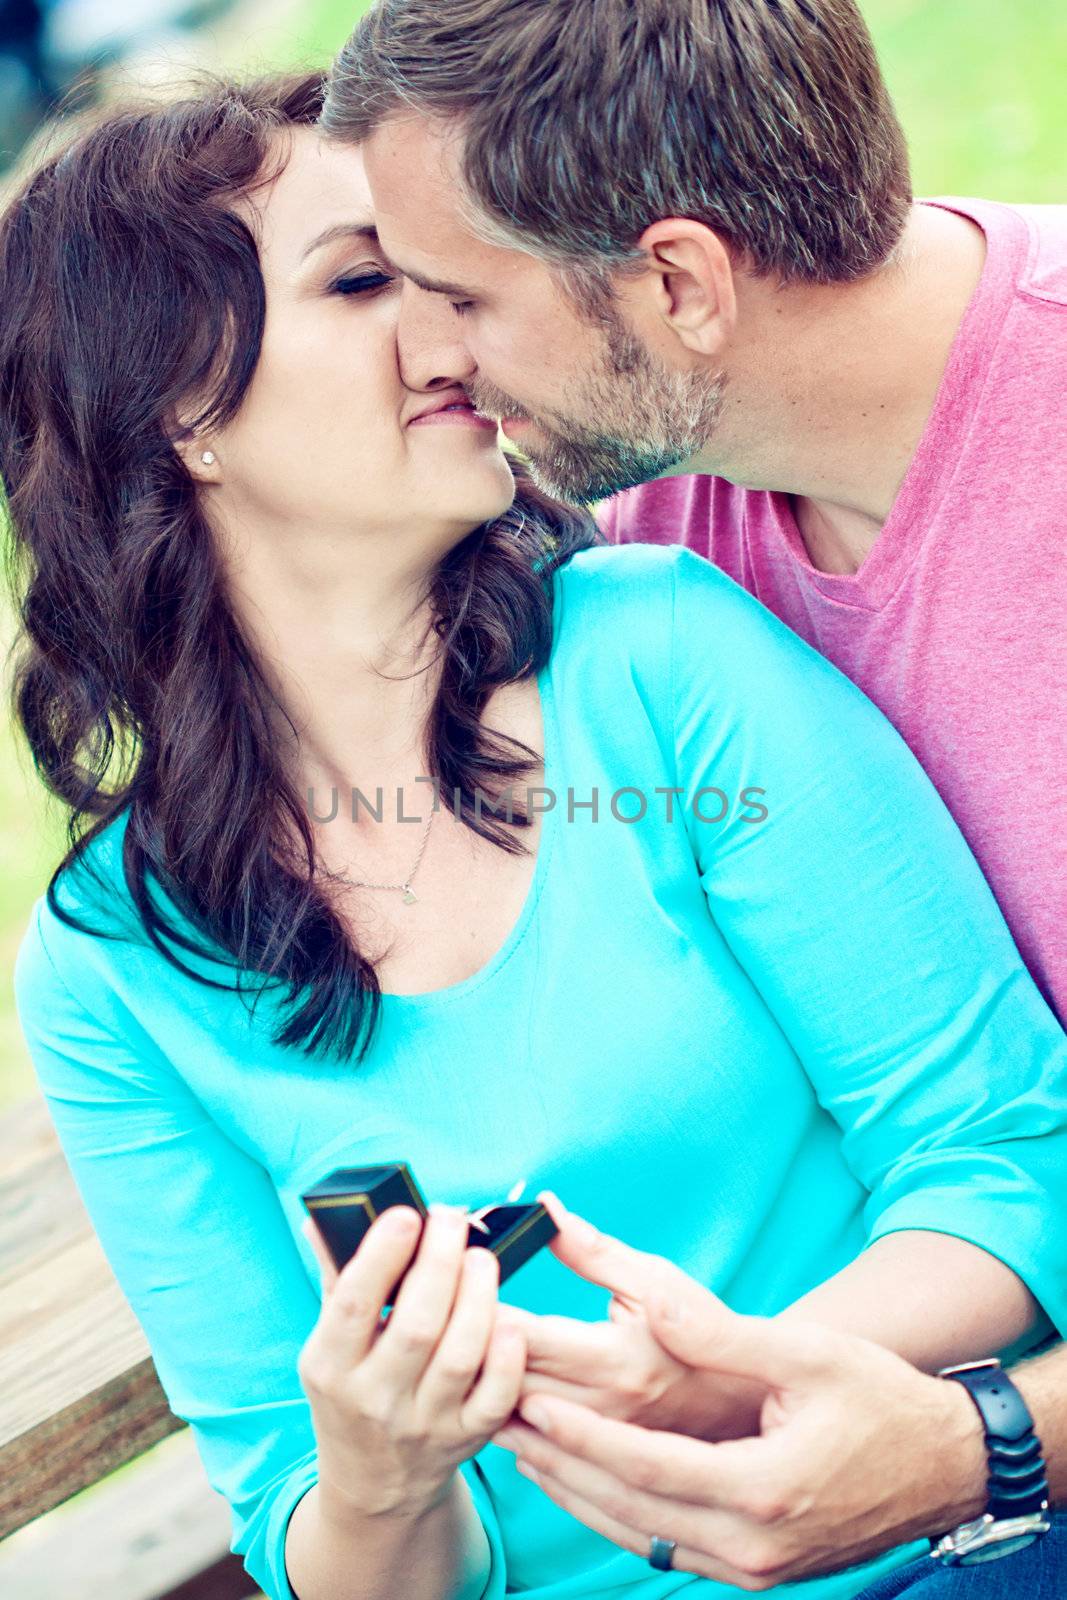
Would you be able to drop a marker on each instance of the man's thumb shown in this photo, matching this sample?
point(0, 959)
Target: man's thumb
point(696, 1328)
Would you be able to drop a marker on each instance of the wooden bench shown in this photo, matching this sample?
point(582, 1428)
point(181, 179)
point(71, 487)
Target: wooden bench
point(79, 1397)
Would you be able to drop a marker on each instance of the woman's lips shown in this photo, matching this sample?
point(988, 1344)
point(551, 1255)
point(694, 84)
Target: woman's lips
point(464, 415)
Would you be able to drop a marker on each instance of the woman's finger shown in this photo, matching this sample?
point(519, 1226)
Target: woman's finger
point(465, 1342)
point(328, 1273)
point(423, 1305)
point(496, 1394)
point(352, 1312)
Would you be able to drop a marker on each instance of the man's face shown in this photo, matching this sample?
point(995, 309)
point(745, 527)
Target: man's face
point(576, 389)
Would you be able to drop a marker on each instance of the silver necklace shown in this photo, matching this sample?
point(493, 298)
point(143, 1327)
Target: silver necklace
point(409, 895)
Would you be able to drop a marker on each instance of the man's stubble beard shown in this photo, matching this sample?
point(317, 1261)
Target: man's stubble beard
point(650, 419)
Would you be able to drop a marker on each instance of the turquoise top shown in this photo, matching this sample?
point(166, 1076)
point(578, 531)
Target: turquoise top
point(751, 1045)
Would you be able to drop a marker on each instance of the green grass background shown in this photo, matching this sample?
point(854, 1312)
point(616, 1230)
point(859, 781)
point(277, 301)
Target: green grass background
point(979, 86)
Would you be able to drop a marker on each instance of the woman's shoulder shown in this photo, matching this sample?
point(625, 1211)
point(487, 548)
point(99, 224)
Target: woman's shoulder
point(704, 652)
point(619, 572)
point(640, 571)
point(60, 959)
point(630, 586)
point(669, 596)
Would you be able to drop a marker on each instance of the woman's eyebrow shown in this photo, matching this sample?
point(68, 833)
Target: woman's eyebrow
point(343, 230)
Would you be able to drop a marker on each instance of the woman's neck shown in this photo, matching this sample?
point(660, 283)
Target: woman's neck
point(344, 638)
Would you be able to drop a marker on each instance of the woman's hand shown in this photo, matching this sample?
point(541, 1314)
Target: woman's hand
point(397, 1405)
point(618, 1368)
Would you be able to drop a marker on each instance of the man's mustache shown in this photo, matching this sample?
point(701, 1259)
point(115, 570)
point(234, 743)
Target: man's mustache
point(495, 403)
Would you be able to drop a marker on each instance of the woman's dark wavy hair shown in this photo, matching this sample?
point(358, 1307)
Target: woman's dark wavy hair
point(126, 282)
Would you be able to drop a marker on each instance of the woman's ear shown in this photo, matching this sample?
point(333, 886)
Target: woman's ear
point(691, 279)
point(197, 450)
point(200, 458)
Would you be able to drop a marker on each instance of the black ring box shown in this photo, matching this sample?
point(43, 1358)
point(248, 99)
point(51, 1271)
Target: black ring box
point(346, 1202)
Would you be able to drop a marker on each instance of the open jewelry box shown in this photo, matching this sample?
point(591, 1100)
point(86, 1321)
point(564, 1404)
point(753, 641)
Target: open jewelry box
point(346, 1202)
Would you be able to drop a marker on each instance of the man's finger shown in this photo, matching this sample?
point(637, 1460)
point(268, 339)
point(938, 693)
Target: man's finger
point(598, 1257)
point(509, 1316)
point(671, 1464)
point(582, 1394)
point(561, 1345)
point(636, 1540)
point(697, 1329)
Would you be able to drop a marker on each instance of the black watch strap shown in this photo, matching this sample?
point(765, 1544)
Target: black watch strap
point(1017, 1481)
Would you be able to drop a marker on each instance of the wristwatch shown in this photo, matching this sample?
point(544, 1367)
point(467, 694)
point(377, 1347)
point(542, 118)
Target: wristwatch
point(1017, 1509)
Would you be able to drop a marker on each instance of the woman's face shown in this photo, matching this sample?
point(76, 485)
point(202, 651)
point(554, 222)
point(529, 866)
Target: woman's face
point(326, 436)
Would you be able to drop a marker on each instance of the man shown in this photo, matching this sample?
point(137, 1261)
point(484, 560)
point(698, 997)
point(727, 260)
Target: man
point(671, 237)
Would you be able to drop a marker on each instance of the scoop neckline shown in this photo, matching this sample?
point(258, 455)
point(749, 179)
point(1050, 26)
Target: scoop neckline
point(457, 991)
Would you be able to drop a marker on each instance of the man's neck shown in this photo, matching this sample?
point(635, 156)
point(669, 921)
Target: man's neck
point(831, 409)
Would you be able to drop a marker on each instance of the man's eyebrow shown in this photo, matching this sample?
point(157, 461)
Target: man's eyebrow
point(343, 230)
point(368, 231)
point(455, 291)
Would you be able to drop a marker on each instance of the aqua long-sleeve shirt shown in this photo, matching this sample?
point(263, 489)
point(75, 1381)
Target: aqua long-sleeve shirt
point(750, 1045)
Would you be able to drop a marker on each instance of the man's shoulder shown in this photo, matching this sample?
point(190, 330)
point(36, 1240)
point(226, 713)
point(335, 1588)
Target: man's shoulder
point(1040, 259)
point(1045, 277)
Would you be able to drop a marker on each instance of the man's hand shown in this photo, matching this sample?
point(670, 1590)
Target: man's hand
point(618, 1368)
point(857, 1451)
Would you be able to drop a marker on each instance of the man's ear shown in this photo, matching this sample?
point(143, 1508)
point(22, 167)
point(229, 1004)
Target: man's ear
point(691, 280)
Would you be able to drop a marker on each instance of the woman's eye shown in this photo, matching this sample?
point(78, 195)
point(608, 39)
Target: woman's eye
point(362, 283)
point(461, 307)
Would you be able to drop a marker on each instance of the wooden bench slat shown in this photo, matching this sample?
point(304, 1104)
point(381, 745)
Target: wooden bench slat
point(79, 1395)
point(40, 1209)
point(66, 1333)
point(68, 1453)
point(158, 1533)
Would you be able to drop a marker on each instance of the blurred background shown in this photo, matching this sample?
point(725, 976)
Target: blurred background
point(978, 83)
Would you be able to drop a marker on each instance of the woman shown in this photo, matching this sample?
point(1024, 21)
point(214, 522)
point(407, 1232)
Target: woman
point(743, 995)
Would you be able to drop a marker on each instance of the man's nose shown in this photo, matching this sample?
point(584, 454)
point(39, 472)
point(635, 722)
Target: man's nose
point(430, 345)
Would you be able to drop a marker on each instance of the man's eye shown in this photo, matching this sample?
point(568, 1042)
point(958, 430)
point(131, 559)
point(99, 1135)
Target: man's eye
point(461, 307)
point(361, 283)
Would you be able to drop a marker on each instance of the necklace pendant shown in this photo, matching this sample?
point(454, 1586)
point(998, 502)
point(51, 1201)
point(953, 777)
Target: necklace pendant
point(409, 894)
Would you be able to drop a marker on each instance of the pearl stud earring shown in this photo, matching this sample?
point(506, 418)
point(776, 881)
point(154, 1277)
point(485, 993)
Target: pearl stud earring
point(208, 457)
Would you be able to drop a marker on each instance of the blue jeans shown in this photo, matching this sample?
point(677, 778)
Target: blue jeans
point(1037, 1573)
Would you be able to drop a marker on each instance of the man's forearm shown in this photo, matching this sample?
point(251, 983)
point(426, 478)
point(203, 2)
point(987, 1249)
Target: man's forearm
point(930, 1297)
point(1043, 1385)
point(334, 1553)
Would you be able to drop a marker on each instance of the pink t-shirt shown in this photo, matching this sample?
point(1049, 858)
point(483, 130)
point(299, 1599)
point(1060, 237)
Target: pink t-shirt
point(956, 623)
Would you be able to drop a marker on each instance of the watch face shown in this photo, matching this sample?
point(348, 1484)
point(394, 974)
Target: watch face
point(997, 1548)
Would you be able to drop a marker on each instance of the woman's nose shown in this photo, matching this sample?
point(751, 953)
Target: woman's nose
point(430, 344)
